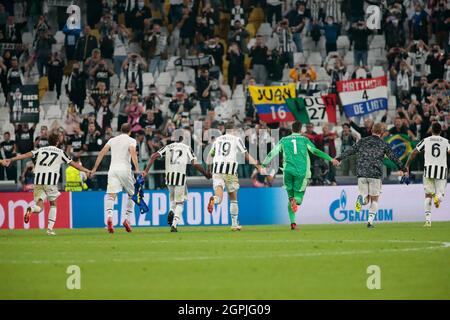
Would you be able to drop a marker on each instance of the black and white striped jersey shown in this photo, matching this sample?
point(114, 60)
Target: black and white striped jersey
point(178, 156)
point(225, 151)
point(435, 149)
point(48, 165)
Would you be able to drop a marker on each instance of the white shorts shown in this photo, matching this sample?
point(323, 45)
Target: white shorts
point(369, 187)
point(120, 180)
point(435, 186)
point(228, 181)
point(177, 193)
point(45, 192)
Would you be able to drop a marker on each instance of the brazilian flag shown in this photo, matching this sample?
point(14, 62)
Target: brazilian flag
point(402, 145)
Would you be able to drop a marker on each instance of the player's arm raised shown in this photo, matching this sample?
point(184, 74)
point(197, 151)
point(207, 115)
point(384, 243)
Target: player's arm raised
point(134, 158)
point(100, 157)
point(20, 157)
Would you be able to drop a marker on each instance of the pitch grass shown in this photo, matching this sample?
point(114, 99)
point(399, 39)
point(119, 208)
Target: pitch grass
point(260, 262)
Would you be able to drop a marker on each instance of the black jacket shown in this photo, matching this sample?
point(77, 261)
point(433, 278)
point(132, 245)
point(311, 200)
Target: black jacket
point(84, 47)
point(76, 86)
point(370, 152)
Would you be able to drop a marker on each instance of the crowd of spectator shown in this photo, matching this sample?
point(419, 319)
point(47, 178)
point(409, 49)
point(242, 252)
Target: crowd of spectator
point(121, 41)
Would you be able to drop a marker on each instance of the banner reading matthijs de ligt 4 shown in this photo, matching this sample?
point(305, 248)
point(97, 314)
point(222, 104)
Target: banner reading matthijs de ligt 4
point(363, 96)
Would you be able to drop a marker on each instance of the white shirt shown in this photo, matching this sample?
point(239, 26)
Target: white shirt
point(120, 152)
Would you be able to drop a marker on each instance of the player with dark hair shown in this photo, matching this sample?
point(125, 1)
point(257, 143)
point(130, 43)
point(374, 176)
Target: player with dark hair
point(178, 155)
point(46, 177)
point(120, 177)
point(224, 154)
point(370, 152)
point(435, 149)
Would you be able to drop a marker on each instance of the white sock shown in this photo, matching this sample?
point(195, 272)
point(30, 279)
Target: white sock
point(178, 212)
point(234, 210)
point(217, 200)
point(51, 217)
point(36, 209)
point(427, 206)
point(172, 206)
point(109, 206)
point(373, 211)
point(130, 208)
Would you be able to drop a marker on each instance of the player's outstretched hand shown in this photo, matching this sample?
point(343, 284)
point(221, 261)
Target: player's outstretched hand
point(93, 171)
point(263, 171)
point(143, 174)
point(6, 162)
point(335, 162)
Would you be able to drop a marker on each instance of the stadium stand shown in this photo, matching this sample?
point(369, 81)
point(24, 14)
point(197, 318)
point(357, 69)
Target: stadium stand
point(159, 52)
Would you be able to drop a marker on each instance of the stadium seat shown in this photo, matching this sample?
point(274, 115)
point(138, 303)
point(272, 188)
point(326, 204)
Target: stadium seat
point(299, 57)
point(147, 79)
point(53, 112)
point(8, 126)
point(238, 91)
point(27, 38)
point(315, 59)
point(227, 90)
point(49, 97)
point(164, 79)
point(272, 42)
point(349, 58)
point(59, 37)
point(4, 113)
point(191, 74)
point(322, 75)
point(251, 30)
point(377, 71)
point(265, 29)
point(170, 67)
point(343, 43)
point(286, 77)
point(189, 89)
point(88, 109)
point(378, 42)
point(181, 76)
point(392, 102)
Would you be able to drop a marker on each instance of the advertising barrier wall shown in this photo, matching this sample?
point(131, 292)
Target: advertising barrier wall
point(14, 204)
point(257, 206)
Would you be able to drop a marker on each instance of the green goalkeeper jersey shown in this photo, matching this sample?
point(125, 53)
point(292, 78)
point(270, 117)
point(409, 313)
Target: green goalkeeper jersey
point(295, 154)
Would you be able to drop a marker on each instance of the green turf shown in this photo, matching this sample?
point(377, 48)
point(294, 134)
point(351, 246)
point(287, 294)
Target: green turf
point(260, 262)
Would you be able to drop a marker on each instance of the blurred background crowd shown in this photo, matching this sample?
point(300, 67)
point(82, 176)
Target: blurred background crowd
point(162, 65)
